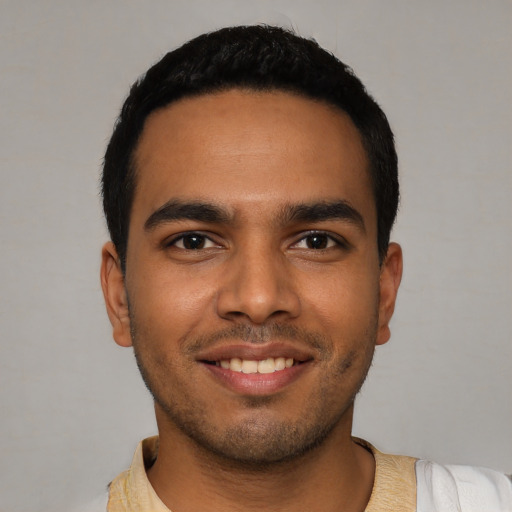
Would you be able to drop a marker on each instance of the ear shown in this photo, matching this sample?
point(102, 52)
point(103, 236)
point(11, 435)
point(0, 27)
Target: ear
point(114, 292)
point(390, 277)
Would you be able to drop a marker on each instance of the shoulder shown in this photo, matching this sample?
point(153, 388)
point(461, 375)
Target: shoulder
point(461, 489)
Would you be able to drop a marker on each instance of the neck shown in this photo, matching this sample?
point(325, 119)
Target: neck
point(336, 475)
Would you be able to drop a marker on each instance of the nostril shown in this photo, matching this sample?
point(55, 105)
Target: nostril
point(258, 298)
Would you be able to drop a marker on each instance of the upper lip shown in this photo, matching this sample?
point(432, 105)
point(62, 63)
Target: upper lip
point(254, 352)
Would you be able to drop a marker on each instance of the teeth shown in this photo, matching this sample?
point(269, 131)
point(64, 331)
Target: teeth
point(269, 365)
point(249, 366)
point(235, 364)
point(280, 363)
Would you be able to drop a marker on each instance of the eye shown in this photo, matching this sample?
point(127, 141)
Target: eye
point(317, 241)
point(192, 242)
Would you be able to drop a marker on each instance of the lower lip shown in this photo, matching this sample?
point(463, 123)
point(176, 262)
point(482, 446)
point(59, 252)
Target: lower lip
point(257, 384)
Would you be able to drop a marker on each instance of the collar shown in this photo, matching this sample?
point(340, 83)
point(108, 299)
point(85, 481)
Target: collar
point(394, 488)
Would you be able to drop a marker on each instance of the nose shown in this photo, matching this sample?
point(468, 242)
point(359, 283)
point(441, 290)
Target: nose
point(258, 287)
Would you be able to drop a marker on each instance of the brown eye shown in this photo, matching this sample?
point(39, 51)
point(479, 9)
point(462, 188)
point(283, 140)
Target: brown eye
point(192, 242)
point(317, 241)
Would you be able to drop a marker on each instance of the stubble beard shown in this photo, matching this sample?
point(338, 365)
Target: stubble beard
point(259, 442)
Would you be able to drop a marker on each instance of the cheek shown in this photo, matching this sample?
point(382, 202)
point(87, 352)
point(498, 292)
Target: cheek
point(345, 300)
point(168, 305)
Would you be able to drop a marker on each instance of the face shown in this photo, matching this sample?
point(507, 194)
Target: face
point(253, 294)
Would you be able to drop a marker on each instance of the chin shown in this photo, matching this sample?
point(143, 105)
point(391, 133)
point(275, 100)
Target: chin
point(256, 443)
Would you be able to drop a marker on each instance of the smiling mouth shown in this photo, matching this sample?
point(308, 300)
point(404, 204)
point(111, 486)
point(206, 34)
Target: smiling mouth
point(268, 365)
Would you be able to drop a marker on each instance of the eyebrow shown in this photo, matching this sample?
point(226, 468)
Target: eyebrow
point(179, 210)
point(198, 211)
point(322, 211)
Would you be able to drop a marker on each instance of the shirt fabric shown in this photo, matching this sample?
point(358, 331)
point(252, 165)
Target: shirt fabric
point(402, 484)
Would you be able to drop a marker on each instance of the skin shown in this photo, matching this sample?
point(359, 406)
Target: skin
point(253, 276)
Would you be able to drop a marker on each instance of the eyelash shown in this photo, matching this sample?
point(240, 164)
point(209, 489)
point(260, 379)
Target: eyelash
point(331, 241)
point(183, 236)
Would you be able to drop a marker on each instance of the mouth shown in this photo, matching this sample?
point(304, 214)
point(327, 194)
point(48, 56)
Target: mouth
point(263, 366)
point(256, 370)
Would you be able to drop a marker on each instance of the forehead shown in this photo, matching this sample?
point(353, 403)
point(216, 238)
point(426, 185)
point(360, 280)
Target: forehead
point(242, 148)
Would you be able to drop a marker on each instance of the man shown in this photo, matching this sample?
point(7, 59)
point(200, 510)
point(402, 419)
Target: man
point(250, 187)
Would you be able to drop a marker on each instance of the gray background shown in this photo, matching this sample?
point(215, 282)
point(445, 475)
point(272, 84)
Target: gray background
point(72, 404)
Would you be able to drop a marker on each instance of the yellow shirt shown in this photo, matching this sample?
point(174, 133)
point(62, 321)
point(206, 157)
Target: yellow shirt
point(394, 488)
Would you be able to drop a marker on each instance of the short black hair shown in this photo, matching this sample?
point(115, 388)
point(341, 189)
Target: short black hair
point(260, 58)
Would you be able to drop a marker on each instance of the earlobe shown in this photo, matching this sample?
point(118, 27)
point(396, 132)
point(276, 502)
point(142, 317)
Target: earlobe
point(390, 277)
point(114, 293)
